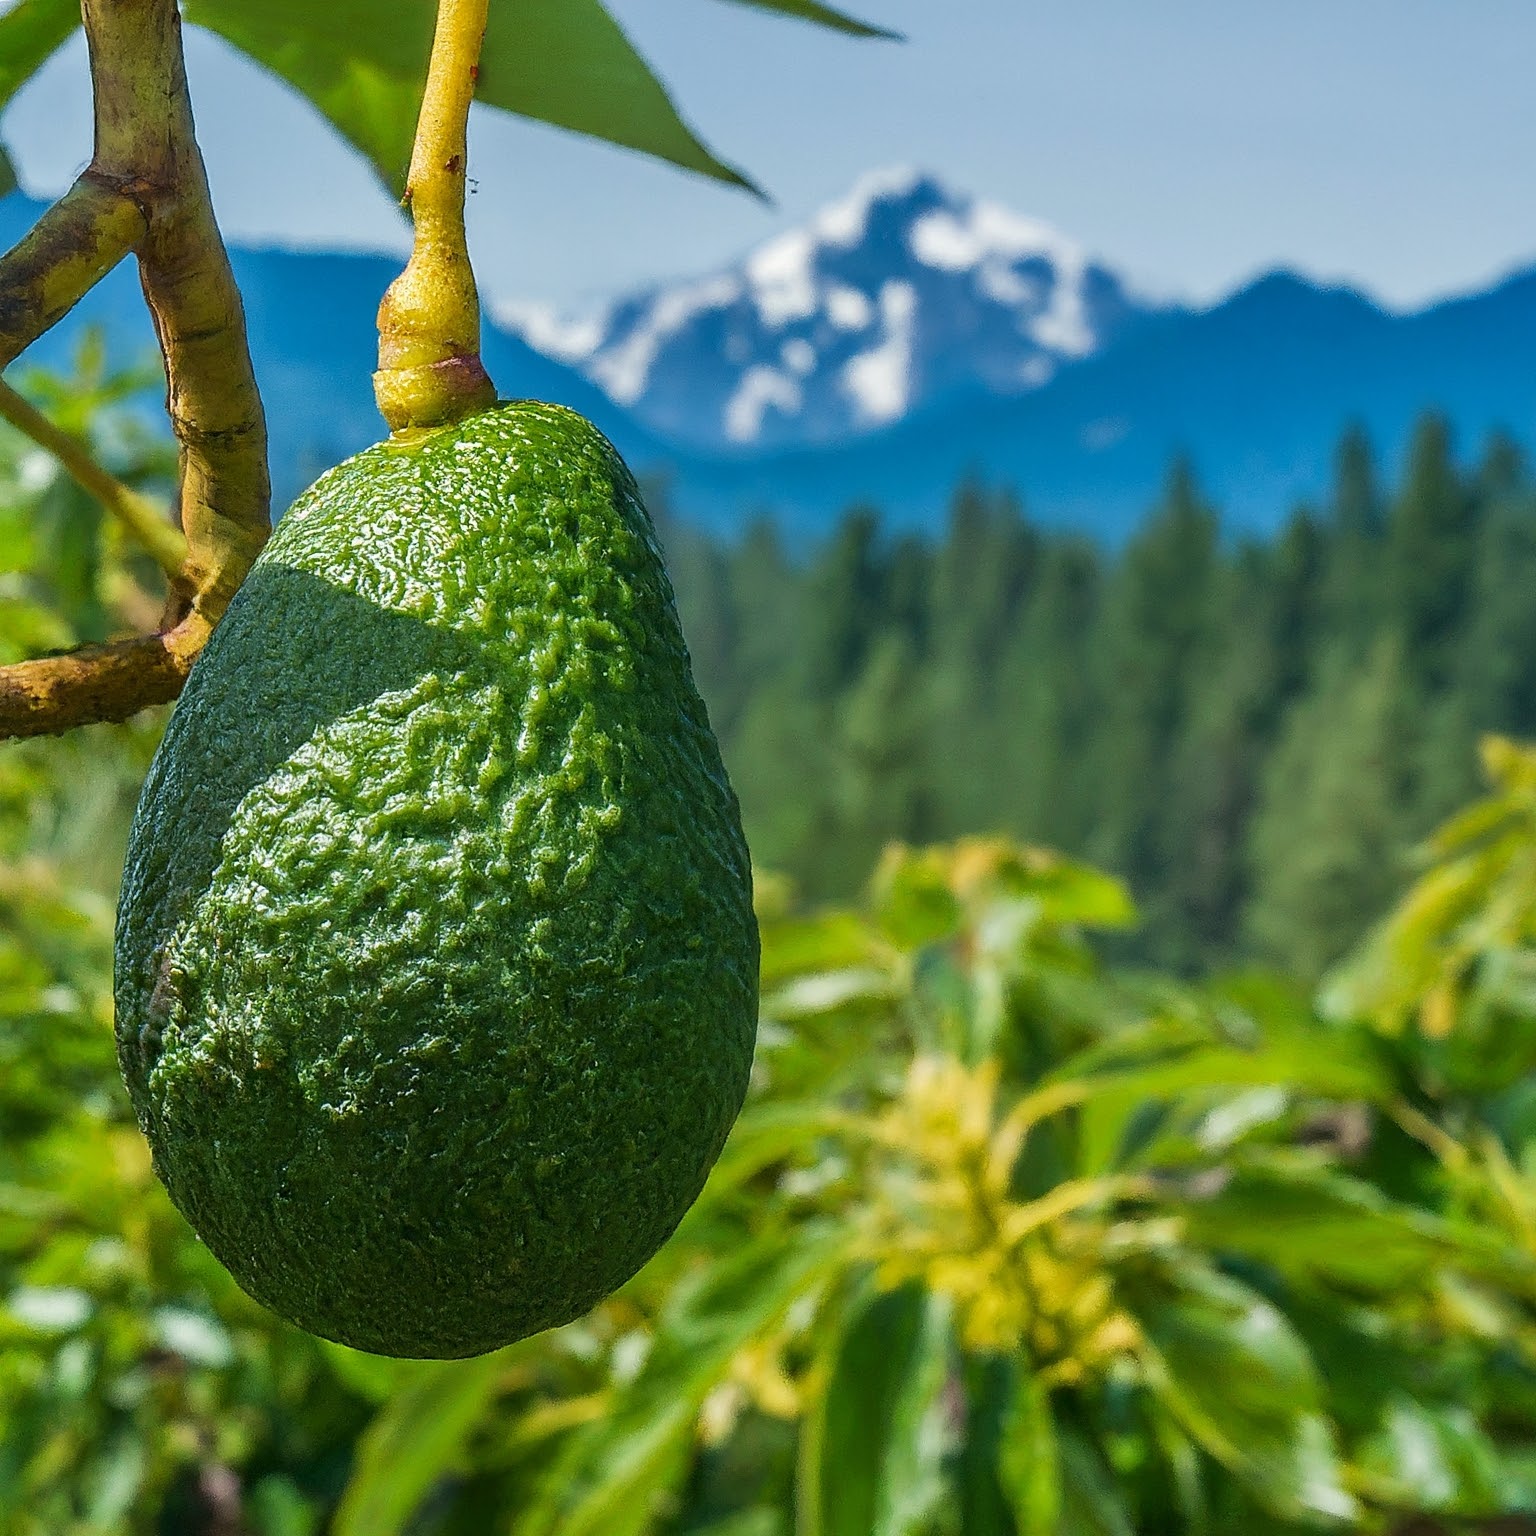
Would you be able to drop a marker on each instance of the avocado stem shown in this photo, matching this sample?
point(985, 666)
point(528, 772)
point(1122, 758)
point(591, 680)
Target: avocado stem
point(430, 371)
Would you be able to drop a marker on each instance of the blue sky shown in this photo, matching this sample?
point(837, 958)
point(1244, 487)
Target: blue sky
point(1191, 143)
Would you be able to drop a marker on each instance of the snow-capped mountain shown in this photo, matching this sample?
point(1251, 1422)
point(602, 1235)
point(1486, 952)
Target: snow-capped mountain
point(899, 295)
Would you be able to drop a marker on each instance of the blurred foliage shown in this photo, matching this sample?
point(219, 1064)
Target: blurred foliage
point(1007, 1242)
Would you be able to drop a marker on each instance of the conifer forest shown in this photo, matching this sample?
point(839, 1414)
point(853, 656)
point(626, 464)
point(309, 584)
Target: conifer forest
point(1253, 734)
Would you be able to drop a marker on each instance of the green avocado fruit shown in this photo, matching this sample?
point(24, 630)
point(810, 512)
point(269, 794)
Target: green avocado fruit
point(436, 967)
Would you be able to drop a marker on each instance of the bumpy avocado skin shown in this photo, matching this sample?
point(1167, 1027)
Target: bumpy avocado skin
point(436, 965)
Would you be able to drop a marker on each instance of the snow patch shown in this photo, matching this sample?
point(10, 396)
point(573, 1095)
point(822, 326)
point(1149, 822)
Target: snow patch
point(843, 222)
point(1063, 325)
point(571, 340)
point(993, 242)
point(848, 309)
point(624, 369)
point(760, 387)
point(799, 355)
point(1000, 282)
point(954, 239)
point(783, 287)
point(880, 380)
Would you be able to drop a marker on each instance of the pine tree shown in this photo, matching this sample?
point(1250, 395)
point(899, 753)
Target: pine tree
point(1047, 708)
point(1327, 840)
point(981, 576)
point(1156, 638)
point(1430, 541)
point(1351, 599)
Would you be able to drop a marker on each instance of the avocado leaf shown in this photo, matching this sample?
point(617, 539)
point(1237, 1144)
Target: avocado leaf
point(565, 62)
point(823, 15)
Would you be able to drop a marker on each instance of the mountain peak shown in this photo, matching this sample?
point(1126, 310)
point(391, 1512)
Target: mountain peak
point(894, 296)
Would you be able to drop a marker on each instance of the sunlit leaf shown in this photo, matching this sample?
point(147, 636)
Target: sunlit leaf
point(1433, 1458)
point(606, 1481)
point(413, 1442)
point(1239, 1380)
point(825, 941)
point(1092, 1502)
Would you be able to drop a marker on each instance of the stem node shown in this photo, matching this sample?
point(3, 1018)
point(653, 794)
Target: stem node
point(430, 371)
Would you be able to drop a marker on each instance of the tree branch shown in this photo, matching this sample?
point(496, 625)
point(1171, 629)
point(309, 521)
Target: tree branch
point(66, 253)
point(145, 139)
point(97, 682)
point(143, 517)
point(147, 156)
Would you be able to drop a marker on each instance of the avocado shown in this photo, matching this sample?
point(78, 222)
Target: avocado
point(436, 967)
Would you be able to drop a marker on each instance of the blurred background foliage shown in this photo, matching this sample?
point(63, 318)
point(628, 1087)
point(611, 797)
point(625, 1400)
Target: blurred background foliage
point(1016, 1236)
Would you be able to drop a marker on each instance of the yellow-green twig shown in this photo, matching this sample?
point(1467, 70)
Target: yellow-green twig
point(141, 515)
point(429, 322)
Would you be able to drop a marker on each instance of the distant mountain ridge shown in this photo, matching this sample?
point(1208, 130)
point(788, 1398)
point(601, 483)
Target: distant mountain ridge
point(886, 302)
point(1027, 365)
point(1254, 392)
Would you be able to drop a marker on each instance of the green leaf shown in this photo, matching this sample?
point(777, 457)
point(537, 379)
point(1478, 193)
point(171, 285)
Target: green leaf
point(1236, 1376)
point(7, 174)
point(749, 1522)
point(641, 1458)
point(609, 1477)
point(1313, 1223)
point(1091, 1499)
point(882, 1431)
point(1027, 1459)
point(30, 33)
point(824, 16)
point(764, 1135)
point(1432, 1458)
point(413, 1442)
point(827, 941)
point(565, 62)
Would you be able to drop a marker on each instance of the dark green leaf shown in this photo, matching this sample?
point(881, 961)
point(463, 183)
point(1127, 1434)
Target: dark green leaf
point(882, 1434)
point(565, 62)
point(808, 10)
point(1027, 1459)
point(1316, 1223)
point(1091, 1500)
point(985, 1506)
point(1238, 1379)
